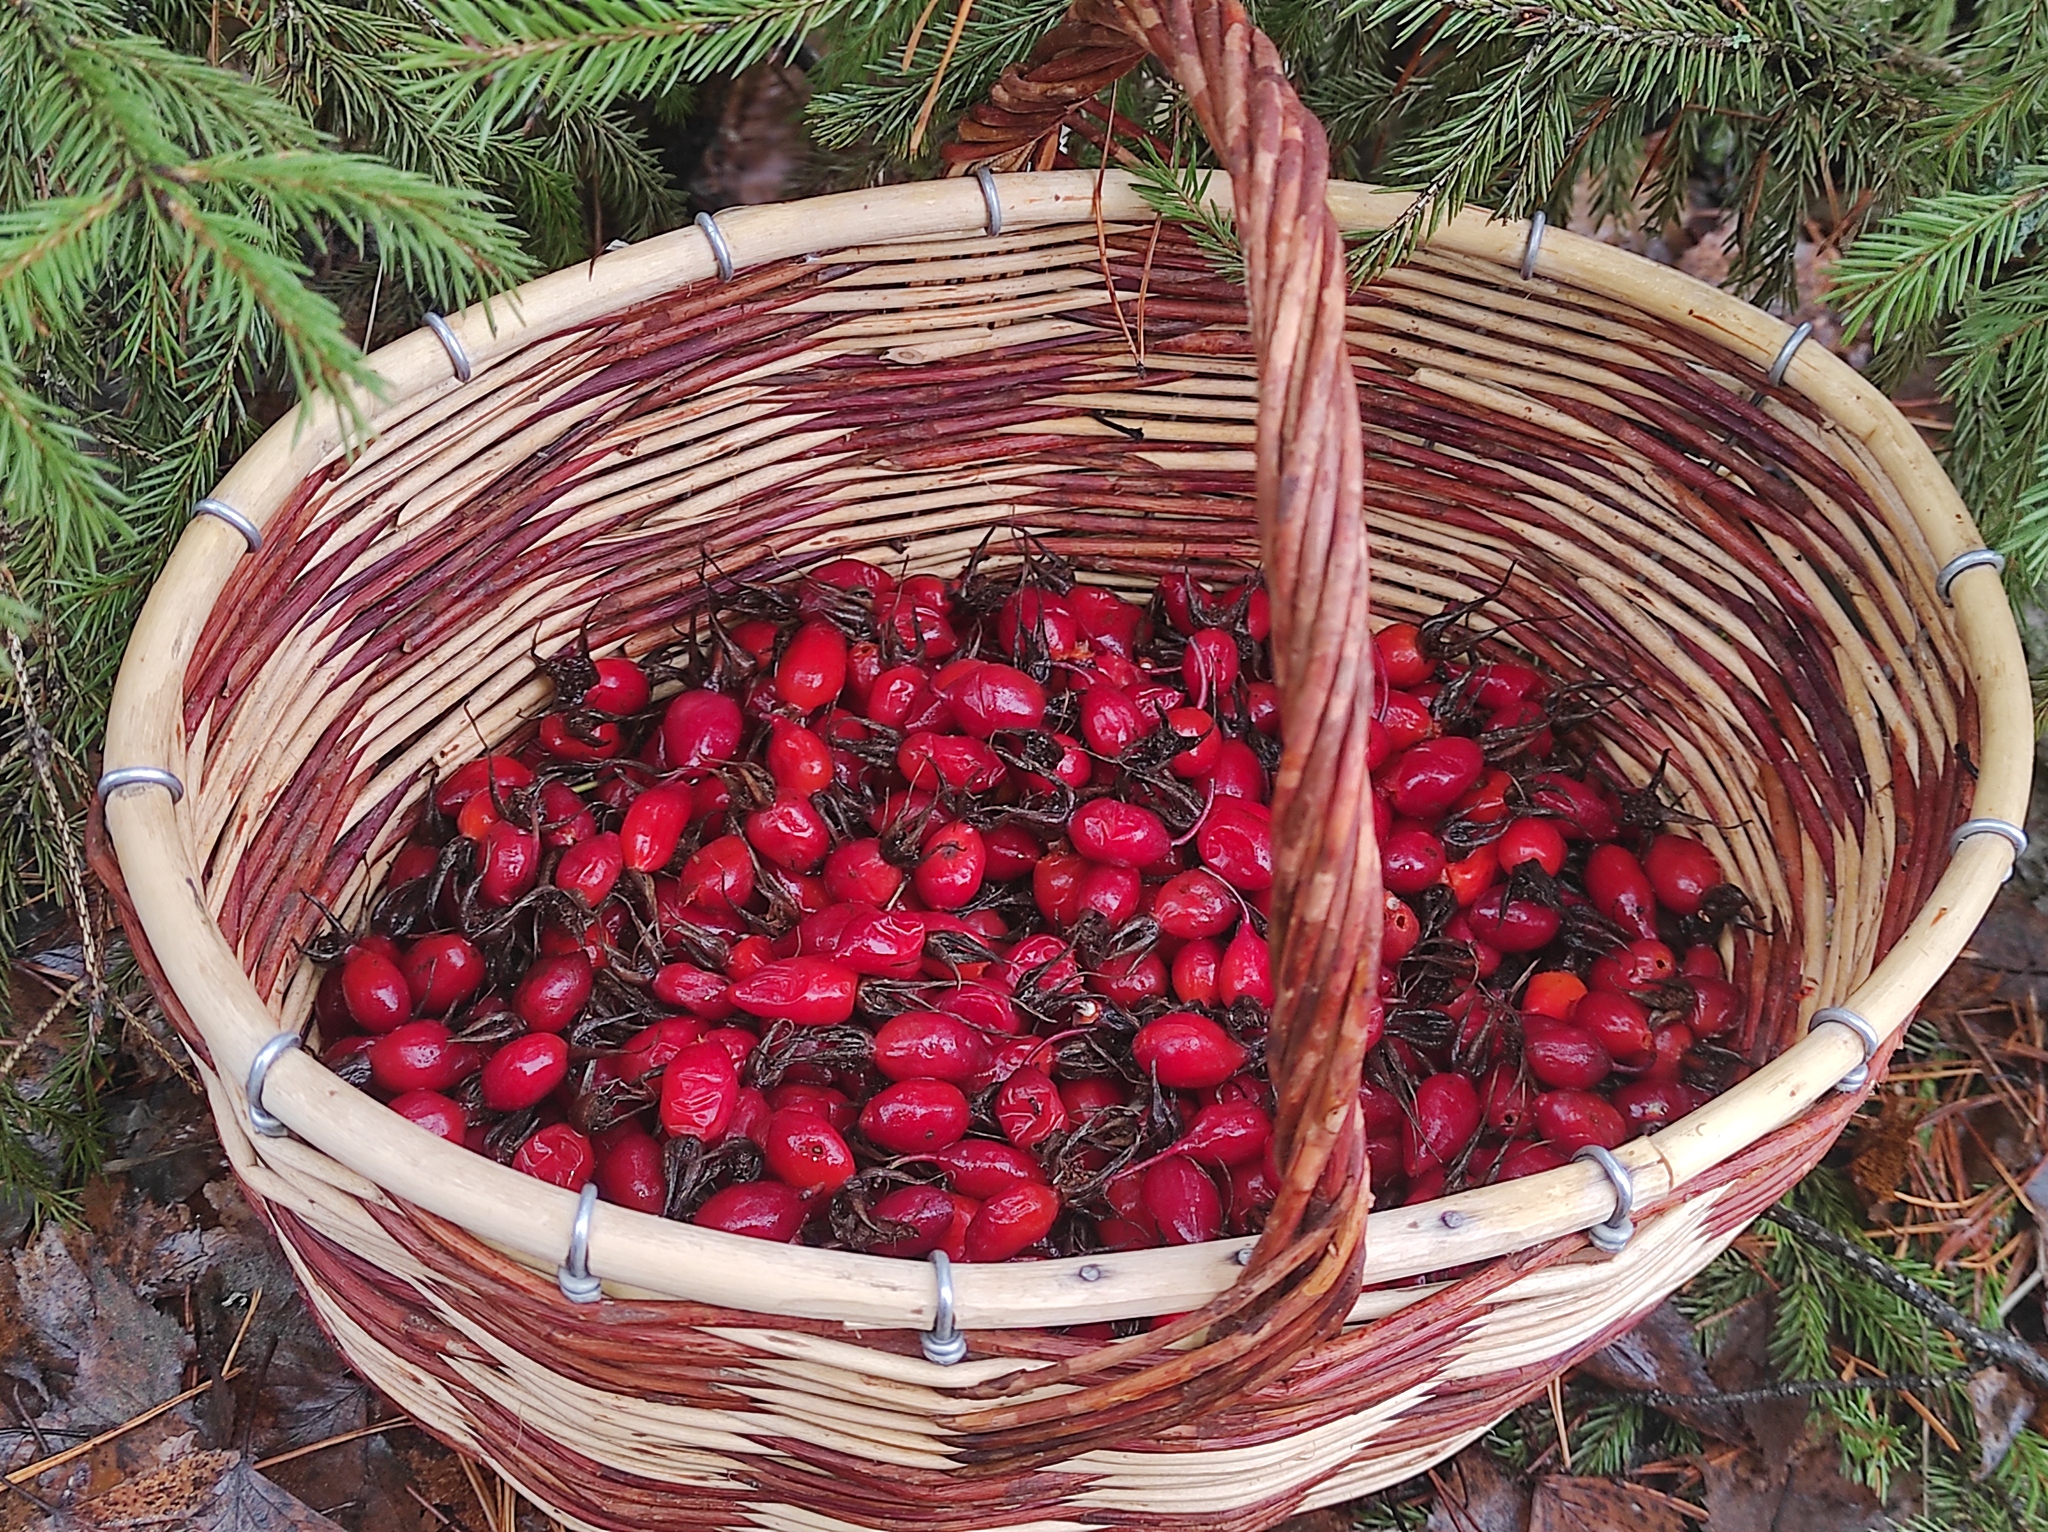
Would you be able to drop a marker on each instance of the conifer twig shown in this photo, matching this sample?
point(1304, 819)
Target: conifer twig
point(1794, 1388)
point(1998, 1347)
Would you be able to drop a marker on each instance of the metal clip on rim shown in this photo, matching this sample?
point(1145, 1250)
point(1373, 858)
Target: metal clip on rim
point(1963, 563)
point(573, 1275)
point(1619, 1228)
point(721, 252)
point(220, 510)
point(458, 354)
point(263, 1121)
point(1842, 1016)
point(943, 1343)
point(986, 178)
point(2003, 828)
point(1537, 224)
point(113, 781)
point(1793, 342)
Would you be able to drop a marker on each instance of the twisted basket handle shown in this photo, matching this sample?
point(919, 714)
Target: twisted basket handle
point(1303, 1275)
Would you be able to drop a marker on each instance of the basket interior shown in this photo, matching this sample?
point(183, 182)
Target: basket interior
point(1650, 510)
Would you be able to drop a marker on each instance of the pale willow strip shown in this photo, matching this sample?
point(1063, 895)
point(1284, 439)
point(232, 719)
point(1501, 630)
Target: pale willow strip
point(1515, 367)
point(947, 345)
point(985, 297)
point(1243, 1477)
point(1475, 306)
point(1383, 1470)
point(1463, 358)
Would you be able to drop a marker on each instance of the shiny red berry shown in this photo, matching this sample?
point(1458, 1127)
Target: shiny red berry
point(806, 1152)
point(523, 1072)
point(1005, 1225)
point(1187, 1051)
point(915, 1116)
point(757, 1209)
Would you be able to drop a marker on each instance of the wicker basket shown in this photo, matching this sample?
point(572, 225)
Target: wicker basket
point(1743, 528)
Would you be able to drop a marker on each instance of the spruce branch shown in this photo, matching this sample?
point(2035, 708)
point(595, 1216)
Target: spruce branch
point(1930, 257)
point(883, 103)
point(1512, 104)
point(46, 465)
point(579, 54)
point(449, 242)
point(1799, 1388)
point(1997, 1348)
point(47, 251)
point(1177, 189)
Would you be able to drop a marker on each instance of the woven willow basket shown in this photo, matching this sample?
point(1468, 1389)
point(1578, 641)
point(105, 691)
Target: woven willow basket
point(1761, 558)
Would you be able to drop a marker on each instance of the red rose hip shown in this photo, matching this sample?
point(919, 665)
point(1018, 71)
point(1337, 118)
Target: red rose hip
point(524, 1071)
point(806, 1152)
point(558, 1155)
point(1187, 1051)
point(915, 1116)
point(759, 1210)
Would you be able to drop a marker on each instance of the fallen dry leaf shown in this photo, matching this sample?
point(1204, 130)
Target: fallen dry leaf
point(1562, 1504)
point(200, 1492)
point(1800, 1491)
point(1742, 1362)
point(1659, 1354)
point(1478, 1493)
point(95, 1351)
point(1883, 1149)
point(2002, 1407)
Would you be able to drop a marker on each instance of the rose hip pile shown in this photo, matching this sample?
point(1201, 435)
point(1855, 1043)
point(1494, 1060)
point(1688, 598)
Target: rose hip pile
point(932, 915)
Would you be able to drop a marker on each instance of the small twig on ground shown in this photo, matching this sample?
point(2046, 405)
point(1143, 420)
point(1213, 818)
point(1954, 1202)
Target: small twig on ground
point(134, 1023)
point(1796, 1388)
point(433, 1510)
point(1564, 1438)
point(21, 1045)
point(31, 1496)
point(1999, 1346)
point(483, 1500)
point(42, 1466)
point(337, 1440)
point(1683, 1507)
point(43, 747)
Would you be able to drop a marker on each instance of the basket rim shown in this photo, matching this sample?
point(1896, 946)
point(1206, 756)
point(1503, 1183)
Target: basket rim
point(641, 1255)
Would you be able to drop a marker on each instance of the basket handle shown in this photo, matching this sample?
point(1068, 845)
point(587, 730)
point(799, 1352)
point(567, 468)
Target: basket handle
point(1326, 908)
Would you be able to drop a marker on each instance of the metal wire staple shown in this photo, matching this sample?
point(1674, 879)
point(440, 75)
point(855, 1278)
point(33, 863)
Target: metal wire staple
point(721, 252)
point(2005, 828)
point(1793, 342)
point(458, 354)
point(113, 781)
point(943, 1343)
point(1842, 1016)
point(262, 1120)
point(573, 1275)
point(220, 510)
point(1963, 563)
point(989, 199)
point(1537, 224)
point(1619, 1228)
